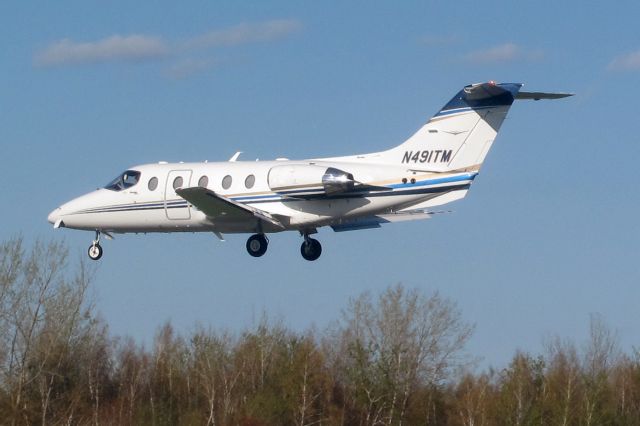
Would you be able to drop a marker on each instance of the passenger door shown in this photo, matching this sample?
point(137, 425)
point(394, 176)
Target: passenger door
point(175, 206)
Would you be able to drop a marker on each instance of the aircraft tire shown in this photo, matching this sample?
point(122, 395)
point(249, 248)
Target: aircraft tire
point(311, 249)
point(95, 251)
point(257, 245)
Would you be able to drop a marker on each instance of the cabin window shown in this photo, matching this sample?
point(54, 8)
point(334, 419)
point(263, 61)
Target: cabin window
point(177, 182)
point(250, 181)
point(124, 181)
point(153, 183)
point(226, 182)
point(203, 182)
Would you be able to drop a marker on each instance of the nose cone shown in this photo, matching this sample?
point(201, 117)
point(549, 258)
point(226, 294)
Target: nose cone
point(55, 218)
point(79, 213)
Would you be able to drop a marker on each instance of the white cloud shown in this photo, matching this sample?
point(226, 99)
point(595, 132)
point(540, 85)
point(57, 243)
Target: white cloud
point(628, 62)
point(246, 33)
point(132, 48)
point(115, 48)
point(507, 52)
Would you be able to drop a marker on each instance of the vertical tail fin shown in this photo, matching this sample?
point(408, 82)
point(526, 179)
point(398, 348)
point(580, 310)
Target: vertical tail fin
point(461, 133)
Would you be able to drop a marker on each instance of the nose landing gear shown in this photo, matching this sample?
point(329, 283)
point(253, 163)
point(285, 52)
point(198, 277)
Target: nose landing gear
point(95, 249)
point(257, 245)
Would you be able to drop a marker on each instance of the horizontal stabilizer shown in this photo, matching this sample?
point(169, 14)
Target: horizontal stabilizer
point(536, 96)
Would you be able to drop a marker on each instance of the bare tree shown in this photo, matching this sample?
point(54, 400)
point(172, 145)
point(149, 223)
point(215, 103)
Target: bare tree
point(389, 360)
point(470, 401)
point(43, 313)
point(563, 381)
point(131, 373)
point(392, 346)
point(212, 363)
point(625, 381)
point(521, 384)
point(600, 353)
point(168, 384)
point(306, 380)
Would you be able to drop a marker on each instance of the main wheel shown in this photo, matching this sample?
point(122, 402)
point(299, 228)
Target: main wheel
point(311, 249)
point(257, 245)
point(95, 251)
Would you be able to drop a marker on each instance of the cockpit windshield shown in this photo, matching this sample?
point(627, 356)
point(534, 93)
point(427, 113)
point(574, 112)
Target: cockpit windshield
point(124, 181)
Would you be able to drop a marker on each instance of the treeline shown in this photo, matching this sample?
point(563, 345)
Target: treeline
point(391, 359)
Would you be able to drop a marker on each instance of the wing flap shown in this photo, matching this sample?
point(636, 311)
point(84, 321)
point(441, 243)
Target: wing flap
point(217, 206)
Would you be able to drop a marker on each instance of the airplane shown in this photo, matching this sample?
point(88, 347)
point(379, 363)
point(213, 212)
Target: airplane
point(435, 166)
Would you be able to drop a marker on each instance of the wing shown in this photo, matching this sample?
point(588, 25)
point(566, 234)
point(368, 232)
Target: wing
point(376, 221)
point(217, 206)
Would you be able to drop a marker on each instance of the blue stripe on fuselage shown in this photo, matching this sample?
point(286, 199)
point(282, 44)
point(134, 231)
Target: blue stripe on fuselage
point(448, 179)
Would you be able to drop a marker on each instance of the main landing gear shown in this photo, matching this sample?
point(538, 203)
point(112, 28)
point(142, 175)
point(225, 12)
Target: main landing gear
point(95, 249)
point(257, 245)
point(310, 249)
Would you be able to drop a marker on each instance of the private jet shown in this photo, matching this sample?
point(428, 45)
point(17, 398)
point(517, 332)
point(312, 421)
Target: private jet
point(435, 166)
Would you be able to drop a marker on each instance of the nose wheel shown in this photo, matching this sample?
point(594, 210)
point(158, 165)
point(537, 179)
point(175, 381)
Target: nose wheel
point(310, 249)
point(257, 245)
point(95, 249)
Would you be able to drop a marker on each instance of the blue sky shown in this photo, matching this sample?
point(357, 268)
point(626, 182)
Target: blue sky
point(547, 235)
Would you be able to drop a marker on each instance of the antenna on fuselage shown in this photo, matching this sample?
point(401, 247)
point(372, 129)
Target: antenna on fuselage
point(235, 157)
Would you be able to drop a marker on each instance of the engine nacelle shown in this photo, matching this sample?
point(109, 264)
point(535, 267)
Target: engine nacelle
point(309, 179)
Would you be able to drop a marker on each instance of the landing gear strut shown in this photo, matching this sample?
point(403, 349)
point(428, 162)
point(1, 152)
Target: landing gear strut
point(95, 249)
point(310, 249)
point(257, 245)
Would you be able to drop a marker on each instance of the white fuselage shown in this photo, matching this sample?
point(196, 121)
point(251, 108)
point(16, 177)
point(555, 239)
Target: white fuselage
point(143, 208)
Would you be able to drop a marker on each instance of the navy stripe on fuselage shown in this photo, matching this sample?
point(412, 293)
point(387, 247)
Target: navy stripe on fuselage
point(150, 204)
